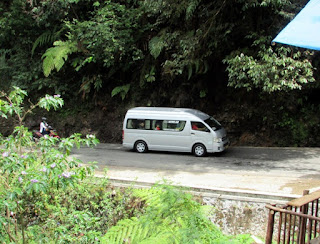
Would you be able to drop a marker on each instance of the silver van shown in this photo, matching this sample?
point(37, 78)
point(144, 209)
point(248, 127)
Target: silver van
point(173, 129)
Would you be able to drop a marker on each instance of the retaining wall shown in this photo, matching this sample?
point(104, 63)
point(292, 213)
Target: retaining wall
point(234, 211)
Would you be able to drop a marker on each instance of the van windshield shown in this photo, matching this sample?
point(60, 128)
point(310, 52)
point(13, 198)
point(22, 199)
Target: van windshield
point(214, 124)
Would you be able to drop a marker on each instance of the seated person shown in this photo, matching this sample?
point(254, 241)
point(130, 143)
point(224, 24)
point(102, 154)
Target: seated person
point(141, 125)
point(198, 126)
point(194, 126)
point(44, 127)
point(158, 125)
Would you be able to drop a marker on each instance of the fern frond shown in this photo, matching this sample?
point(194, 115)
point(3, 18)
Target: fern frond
point(201, 67)
point(171, 217)
point(129, 230)
point(120, 237)
point(122, 90)
point(55, 57)
point(150, 196)
point(197, 64)
point(189, 71)
point(191, 8)
point(48, 37)
point(160, 238)
point(48, 65)
point(156, 45)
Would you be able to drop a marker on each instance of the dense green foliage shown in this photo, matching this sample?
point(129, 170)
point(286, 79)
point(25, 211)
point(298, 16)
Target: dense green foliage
point(271, 71)
point(114, 44)
point(48, 196)
point(170, 216)
point(190, 53)
point(31, 173)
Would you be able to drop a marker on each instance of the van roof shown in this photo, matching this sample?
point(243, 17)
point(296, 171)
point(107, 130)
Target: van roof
point(191, 111)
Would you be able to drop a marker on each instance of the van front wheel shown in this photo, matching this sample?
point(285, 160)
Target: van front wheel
point(141, 147)
point(199, 150)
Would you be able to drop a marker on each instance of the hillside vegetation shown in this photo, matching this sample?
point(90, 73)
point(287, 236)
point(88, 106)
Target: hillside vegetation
point(105, 56)
point(48, 196)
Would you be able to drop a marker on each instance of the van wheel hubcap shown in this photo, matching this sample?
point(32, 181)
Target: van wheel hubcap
point(199, 150)
point(141, 147)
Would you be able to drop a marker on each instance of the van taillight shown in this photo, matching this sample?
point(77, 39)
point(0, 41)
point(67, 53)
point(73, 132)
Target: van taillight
point(122, 135)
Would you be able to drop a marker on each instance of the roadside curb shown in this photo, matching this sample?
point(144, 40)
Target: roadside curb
point(219, 193)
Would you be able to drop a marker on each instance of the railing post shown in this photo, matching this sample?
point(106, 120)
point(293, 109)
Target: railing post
point(270, 226)
point(303, 223)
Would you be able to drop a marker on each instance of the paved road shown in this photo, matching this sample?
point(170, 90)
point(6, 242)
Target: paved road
point(270, 170)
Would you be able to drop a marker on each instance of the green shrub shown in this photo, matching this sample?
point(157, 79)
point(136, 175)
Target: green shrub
point(31, 171)
point(171, 216)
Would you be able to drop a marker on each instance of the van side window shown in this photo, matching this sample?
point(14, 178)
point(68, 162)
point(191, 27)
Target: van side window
point(147, 124)
point(157, 124)
point(130, 124)
point(199, 126)
point(173, 125)
point(137, 124)
point(181, 125)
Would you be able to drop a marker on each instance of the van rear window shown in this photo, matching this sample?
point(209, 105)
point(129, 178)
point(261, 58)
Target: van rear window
point(149, 124)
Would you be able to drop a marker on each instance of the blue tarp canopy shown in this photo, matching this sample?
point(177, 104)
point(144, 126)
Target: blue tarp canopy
point(304, 29)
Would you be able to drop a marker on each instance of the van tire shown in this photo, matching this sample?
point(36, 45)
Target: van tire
point(140, 147)
point(199, 150)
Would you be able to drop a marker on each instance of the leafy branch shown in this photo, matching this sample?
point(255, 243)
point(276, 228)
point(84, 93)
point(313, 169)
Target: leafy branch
point(272, 69)
point(12, 103)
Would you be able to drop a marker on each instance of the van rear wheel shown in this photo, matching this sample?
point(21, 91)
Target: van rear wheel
point(199, 150)
point(141, 147)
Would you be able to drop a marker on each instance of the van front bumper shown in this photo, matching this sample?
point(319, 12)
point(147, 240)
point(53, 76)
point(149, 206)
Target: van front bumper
point(220, 147)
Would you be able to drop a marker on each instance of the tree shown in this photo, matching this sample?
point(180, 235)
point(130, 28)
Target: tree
point(270, 69)
point(131, 47)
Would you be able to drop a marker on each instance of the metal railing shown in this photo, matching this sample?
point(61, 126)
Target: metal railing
point(296, 222)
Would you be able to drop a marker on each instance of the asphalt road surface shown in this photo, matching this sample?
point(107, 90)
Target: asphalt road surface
point(270, 170)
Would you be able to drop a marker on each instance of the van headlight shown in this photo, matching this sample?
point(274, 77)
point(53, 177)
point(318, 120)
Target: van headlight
point(217, 140)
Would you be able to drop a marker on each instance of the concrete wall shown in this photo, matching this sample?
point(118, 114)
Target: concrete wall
point(234, 211)
point(240, 212)
point(239, 217)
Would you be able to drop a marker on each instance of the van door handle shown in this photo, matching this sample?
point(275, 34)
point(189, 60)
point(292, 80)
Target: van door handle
point(192, 133)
